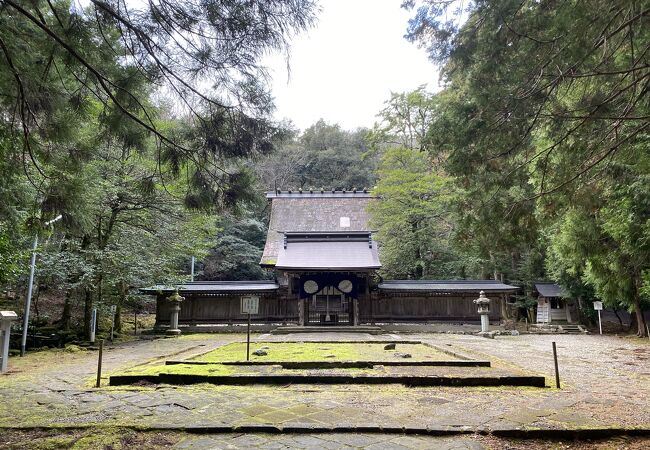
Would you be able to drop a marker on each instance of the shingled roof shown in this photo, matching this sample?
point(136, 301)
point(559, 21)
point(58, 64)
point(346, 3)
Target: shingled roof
point(467, 286)
point(550, 290)
point(313, 211)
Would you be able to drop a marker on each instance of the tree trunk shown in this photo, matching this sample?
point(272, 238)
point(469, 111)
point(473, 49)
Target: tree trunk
point(640, 320)
point(620, 321)
point(35, 296)
point(636, 298)
point(118, 310)
point(495, 274)
point(66, 315)
point(88, 311)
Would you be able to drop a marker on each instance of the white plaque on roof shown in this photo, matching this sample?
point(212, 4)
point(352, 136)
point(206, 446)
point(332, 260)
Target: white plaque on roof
point(345, 222)
point(598, 306)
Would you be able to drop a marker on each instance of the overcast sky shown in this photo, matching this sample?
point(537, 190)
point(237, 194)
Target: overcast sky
point(348, 64)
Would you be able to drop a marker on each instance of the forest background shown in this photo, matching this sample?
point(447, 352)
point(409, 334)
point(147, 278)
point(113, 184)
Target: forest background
point(148, 130)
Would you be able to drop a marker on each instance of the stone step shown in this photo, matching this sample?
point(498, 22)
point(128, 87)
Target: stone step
point(470, 379)
point(572, 329)
point(560, 328)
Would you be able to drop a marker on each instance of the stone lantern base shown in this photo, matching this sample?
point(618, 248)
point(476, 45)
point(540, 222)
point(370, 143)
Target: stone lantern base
point(173, 323)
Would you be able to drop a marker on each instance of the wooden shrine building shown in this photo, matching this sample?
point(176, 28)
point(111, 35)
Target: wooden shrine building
point(554, 305)
point(324, 261)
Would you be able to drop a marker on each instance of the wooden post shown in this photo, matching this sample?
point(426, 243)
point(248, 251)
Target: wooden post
point(99, 363)
point(135, 322)
point(248, 339)
point(557, 372)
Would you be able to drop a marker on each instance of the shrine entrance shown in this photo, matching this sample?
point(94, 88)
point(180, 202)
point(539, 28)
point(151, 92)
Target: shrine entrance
point(329, 306)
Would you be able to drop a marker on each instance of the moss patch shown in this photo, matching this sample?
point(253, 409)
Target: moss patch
point(316, 351)
point(87, 439)
point(189, 369)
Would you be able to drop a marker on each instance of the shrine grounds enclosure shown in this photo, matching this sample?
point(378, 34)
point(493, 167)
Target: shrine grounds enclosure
point(48, 398)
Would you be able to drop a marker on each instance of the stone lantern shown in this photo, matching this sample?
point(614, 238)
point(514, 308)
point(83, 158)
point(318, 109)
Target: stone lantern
point(175, 299)
point(483, 304)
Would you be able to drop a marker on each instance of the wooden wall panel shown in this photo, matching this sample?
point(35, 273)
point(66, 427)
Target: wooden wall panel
point(226, 309)
point(412, 307)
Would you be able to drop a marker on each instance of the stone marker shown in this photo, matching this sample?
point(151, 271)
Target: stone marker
point(6, 317)
point(390, 346)
point(402, 355)
point(260, 352)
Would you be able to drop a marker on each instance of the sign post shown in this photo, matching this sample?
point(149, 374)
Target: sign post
point(249, 305)
point(598, 306)
point(93, 325)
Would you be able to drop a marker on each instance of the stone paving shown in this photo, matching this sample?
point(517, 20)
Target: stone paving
point(606, 383)
point(328, 441)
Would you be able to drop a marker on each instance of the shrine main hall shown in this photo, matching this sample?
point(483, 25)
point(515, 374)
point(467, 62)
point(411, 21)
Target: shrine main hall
point(324, 263)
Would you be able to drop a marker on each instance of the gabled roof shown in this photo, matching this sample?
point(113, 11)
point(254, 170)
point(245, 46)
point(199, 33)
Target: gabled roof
point(550, 290)
point(474, 286)
point(221, 287)
point(328, 251)
point(315, 211)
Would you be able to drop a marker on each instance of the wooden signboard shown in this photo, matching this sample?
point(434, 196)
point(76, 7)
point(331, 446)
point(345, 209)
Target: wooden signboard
point(250, 304)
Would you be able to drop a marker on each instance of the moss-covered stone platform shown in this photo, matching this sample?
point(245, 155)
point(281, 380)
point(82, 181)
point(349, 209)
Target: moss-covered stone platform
point(410, 363)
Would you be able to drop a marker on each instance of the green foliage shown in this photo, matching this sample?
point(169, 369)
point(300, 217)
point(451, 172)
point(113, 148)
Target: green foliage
point(323, 156)
point(12, 257)
point(606, 243)
point(544, 122)
point(237, 253)
point(66, 65)
point(405, 121)
point(413, 217)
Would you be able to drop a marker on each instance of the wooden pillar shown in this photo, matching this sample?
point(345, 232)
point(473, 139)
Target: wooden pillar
point(159, 300)
point(192, 310)
point(355, 312)
point(371, 303)
point(301, 312)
